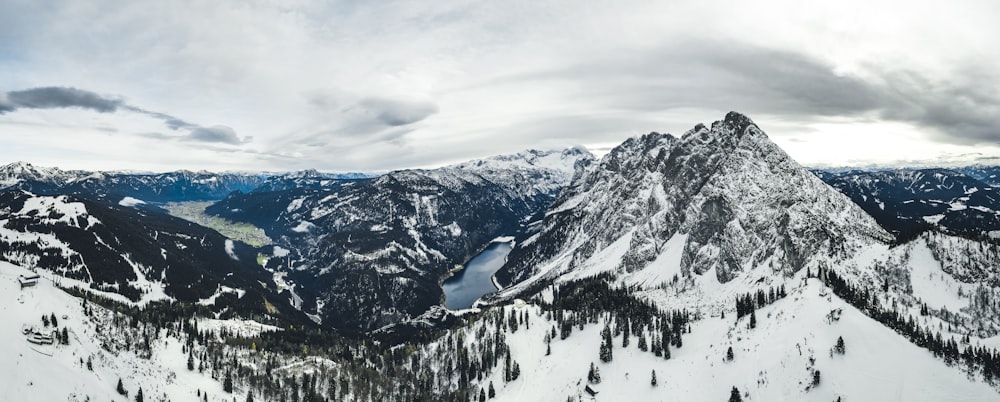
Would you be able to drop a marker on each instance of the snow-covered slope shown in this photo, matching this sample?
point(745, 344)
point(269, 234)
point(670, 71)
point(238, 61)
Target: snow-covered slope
point(776, 361)
point(59, 372)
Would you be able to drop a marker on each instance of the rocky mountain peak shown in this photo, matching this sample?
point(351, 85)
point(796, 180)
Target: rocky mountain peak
point(719, 201)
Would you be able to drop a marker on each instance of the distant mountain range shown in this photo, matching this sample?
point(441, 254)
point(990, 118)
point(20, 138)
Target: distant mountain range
point(905, 201)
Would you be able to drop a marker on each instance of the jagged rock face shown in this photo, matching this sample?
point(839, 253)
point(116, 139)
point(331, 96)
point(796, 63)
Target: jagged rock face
point(738, 200)
point(908, 200)
point(124, 251)
point(369, 253)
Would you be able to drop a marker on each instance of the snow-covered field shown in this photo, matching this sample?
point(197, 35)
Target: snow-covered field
point(773, 362)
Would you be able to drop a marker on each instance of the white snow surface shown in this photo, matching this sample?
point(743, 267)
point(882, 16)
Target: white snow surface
point(130, 202)
point(772, 362)
point(231, 249)
point(303, 227)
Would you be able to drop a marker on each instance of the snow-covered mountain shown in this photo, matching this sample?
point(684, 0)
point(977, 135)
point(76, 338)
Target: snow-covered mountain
point(133, 257)
point(369, 253)
point(20, 172)
point(717, 203)
point(987, 174)
point(905, 201)
point(181, 185)
point(720, 214)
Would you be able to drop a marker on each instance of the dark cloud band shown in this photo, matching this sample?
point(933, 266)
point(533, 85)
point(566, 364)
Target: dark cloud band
point(68, 97)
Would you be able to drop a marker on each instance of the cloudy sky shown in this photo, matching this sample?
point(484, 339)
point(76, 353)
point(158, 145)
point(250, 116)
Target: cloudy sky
point(376, 85)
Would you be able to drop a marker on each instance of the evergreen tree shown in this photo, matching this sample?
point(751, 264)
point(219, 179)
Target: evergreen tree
point(506, 368)
point(492, 392)
point(138, 395)
point(816, 378)
point(839, 348)
point(625, 334)
point(190, 361)
point(652, 379)
point(250, 396)
point(590, 374)
point(227, 384)
point(482, 395)
point(55, 322)
point(65, 336)
point(642, 342)
point(548, 349)
point(121, 388)
point(90, 364)
point(729, 354)
point(753, 318)
point(734, 395)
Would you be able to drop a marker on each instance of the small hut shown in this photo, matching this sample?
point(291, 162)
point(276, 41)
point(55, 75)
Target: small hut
point(28, 280)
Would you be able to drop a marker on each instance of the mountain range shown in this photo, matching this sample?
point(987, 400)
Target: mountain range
point(695, 267)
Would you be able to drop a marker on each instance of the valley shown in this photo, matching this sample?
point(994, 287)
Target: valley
point(194, 211)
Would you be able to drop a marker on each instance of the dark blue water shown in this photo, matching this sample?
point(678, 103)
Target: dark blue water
point(475, 280)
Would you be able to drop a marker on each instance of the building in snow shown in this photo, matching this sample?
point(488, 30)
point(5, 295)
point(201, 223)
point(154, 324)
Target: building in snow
point(28, 280)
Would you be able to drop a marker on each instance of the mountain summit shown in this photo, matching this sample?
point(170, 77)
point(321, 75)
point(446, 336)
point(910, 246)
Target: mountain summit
point(717, 204)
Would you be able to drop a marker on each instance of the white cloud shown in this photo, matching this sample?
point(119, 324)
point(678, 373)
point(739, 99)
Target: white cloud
point(381, 85)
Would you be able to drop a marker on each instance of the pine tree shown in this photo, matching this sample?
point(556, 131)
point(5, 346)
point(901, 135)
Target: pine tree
point(55, 322)
point(734, 395)
point(492, 392)
point(90, 364)
point(548, 349)
point(482, 395)
point(642, 342)
point(597, 375)
point(506, 368)
point(816, 378)
point(840, 348)
point(138, 395)
point(753, 318)
point(121, 388)
point(190, 361)
point(65, 336)
point(227, 384)
point(250, 396)
point(590, 374)
point(625, 334)
point(652, 379)
point(729, 354)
